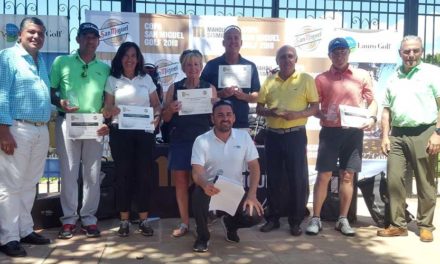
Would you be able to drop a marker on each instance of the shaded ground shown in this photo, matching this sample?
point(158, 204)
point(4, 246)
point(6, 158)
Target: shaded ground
point(255, 247)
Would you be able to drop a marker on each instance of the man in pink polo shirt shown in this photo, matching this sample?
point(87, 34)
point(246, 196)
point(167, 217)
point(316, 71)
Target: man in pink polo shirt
point(340, 148)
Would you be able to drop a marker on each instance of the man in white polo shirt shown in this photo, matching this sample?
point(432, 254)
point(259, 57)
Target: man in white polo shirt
point(224, 151)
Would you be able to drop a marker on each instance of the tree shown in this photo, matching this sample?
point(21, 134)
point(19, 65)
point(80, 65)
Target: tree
point(433, 59)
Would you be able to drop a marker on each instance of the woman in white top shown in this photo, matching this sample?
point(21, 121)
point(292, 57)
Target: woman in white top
point(132, 149)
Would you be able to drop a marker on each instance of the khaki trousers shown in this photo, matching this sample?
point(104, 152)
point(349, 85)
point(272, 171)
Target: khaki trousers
point(409, 145)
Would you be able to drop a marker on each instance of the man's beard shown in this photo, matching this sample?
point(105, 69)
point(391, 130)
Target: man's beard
point(224, 127)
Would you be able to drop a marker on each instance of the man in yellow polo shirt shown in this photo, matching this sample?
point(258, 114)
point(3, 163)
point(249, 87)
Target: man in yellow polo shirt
point(287, 99)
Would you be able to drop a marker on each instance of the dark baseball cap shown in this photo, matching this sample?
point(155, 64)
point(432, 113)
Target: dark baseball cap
point(88, 27)
point(337, 43)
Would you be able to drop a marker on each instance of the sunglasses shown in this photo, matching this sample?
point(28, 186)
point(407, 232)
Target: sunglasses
point(194, 51)
point(85, 67)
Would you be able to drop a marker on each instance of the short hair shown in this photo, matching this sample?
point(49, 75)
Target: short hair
point(284, 48)
point(230, 27)
point(116, 69)
point(188, 54)
point(33, 20)
point(222, 102)
point(411, 37)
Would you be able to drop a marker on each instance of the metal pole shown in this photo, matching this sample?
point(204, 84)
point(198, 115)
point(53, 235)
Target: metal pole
point(275, 8)
point(128, 6)
point(410, 21)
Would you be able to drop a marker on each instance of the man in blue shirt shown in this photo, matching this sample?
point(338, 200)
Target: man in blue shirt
point(24, 137)
point(239, 96)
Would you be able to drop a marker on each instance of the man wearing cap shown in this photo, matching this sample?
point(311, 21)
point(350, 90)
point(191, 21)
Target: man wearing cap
point(24, 137)
point(239, 96)
point(224, 151)
point(411, 134)
point(340, 148)
point(77, 85)
point(287, 99)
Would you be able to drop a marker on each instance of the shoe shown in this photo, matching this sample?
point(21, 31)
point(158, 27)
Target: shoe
point(314, 226)
point(269, 226)
point(91, 231)
point(344, 227)
point(392, 231)
point(67, 231)
point(124, 228)
point(13, 249)
point(145, 228)
point(295, 230)
point(230, 234)
point(181, 230)
point(200, 246)
point(35, 239)
point(426, 235)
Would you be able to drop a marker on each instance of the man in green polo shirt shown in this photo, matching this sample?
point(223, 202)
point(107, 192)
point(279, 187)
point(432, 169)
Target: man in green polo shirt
point(411, 114)
point(78, 82)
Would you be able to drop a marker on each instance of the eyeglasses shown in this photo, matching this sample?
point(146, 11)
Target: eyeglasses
point(408, 51)
point(85, 67)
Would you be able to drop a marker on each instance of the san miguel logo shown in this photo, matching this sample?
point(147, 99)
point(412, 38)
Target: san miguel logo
point(114, 32)
point(309, 38)
point(167, 71)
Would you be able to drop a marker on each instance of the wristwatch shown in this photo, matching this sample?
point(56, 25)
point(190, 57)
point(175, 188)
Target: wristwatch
point(437, 130)
point(374, 118)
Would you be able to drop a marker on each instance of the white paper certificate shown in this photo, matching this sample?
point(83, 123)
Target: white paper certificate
point(229, 197)
point(353, 116)
point(195, 101)
point(83, 126)
point(234, 75)
point(136, 117)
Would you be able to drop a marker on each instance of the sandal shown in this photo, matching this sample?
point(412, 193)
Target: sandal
point(181, 230)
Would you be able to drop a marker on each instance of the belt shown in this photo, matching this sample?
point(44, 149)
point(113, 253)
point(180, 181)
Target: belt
point(31, 122)
point(285, 130)
point(62, 114)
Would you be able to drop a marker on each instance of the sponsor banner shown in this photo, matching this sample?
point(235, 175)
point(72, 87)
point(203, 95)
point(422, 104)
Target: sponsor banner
point(162, 38)
point(207, 33)
point(164, 34)
point(115, 28)
point(310, 37)
point(261, 36)
point(380, 46)
point(57, 32)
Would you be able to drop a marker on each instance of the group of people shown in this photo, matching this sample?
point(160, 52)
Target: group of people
point(204, 146)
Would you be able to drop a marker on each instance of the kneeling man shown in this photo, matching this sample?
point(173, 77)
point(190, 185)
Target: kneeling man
point(224, 151)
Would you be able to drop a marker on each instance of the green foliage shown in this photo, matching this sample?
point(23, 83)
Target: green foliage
point(433, 59)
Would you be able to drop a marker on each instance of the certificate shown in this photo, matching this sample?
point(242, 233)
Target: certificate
point(234, 75)
point(230, 195)
point(353, 116)
point(195, 101)
point(83, 126)
point(136, 117)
